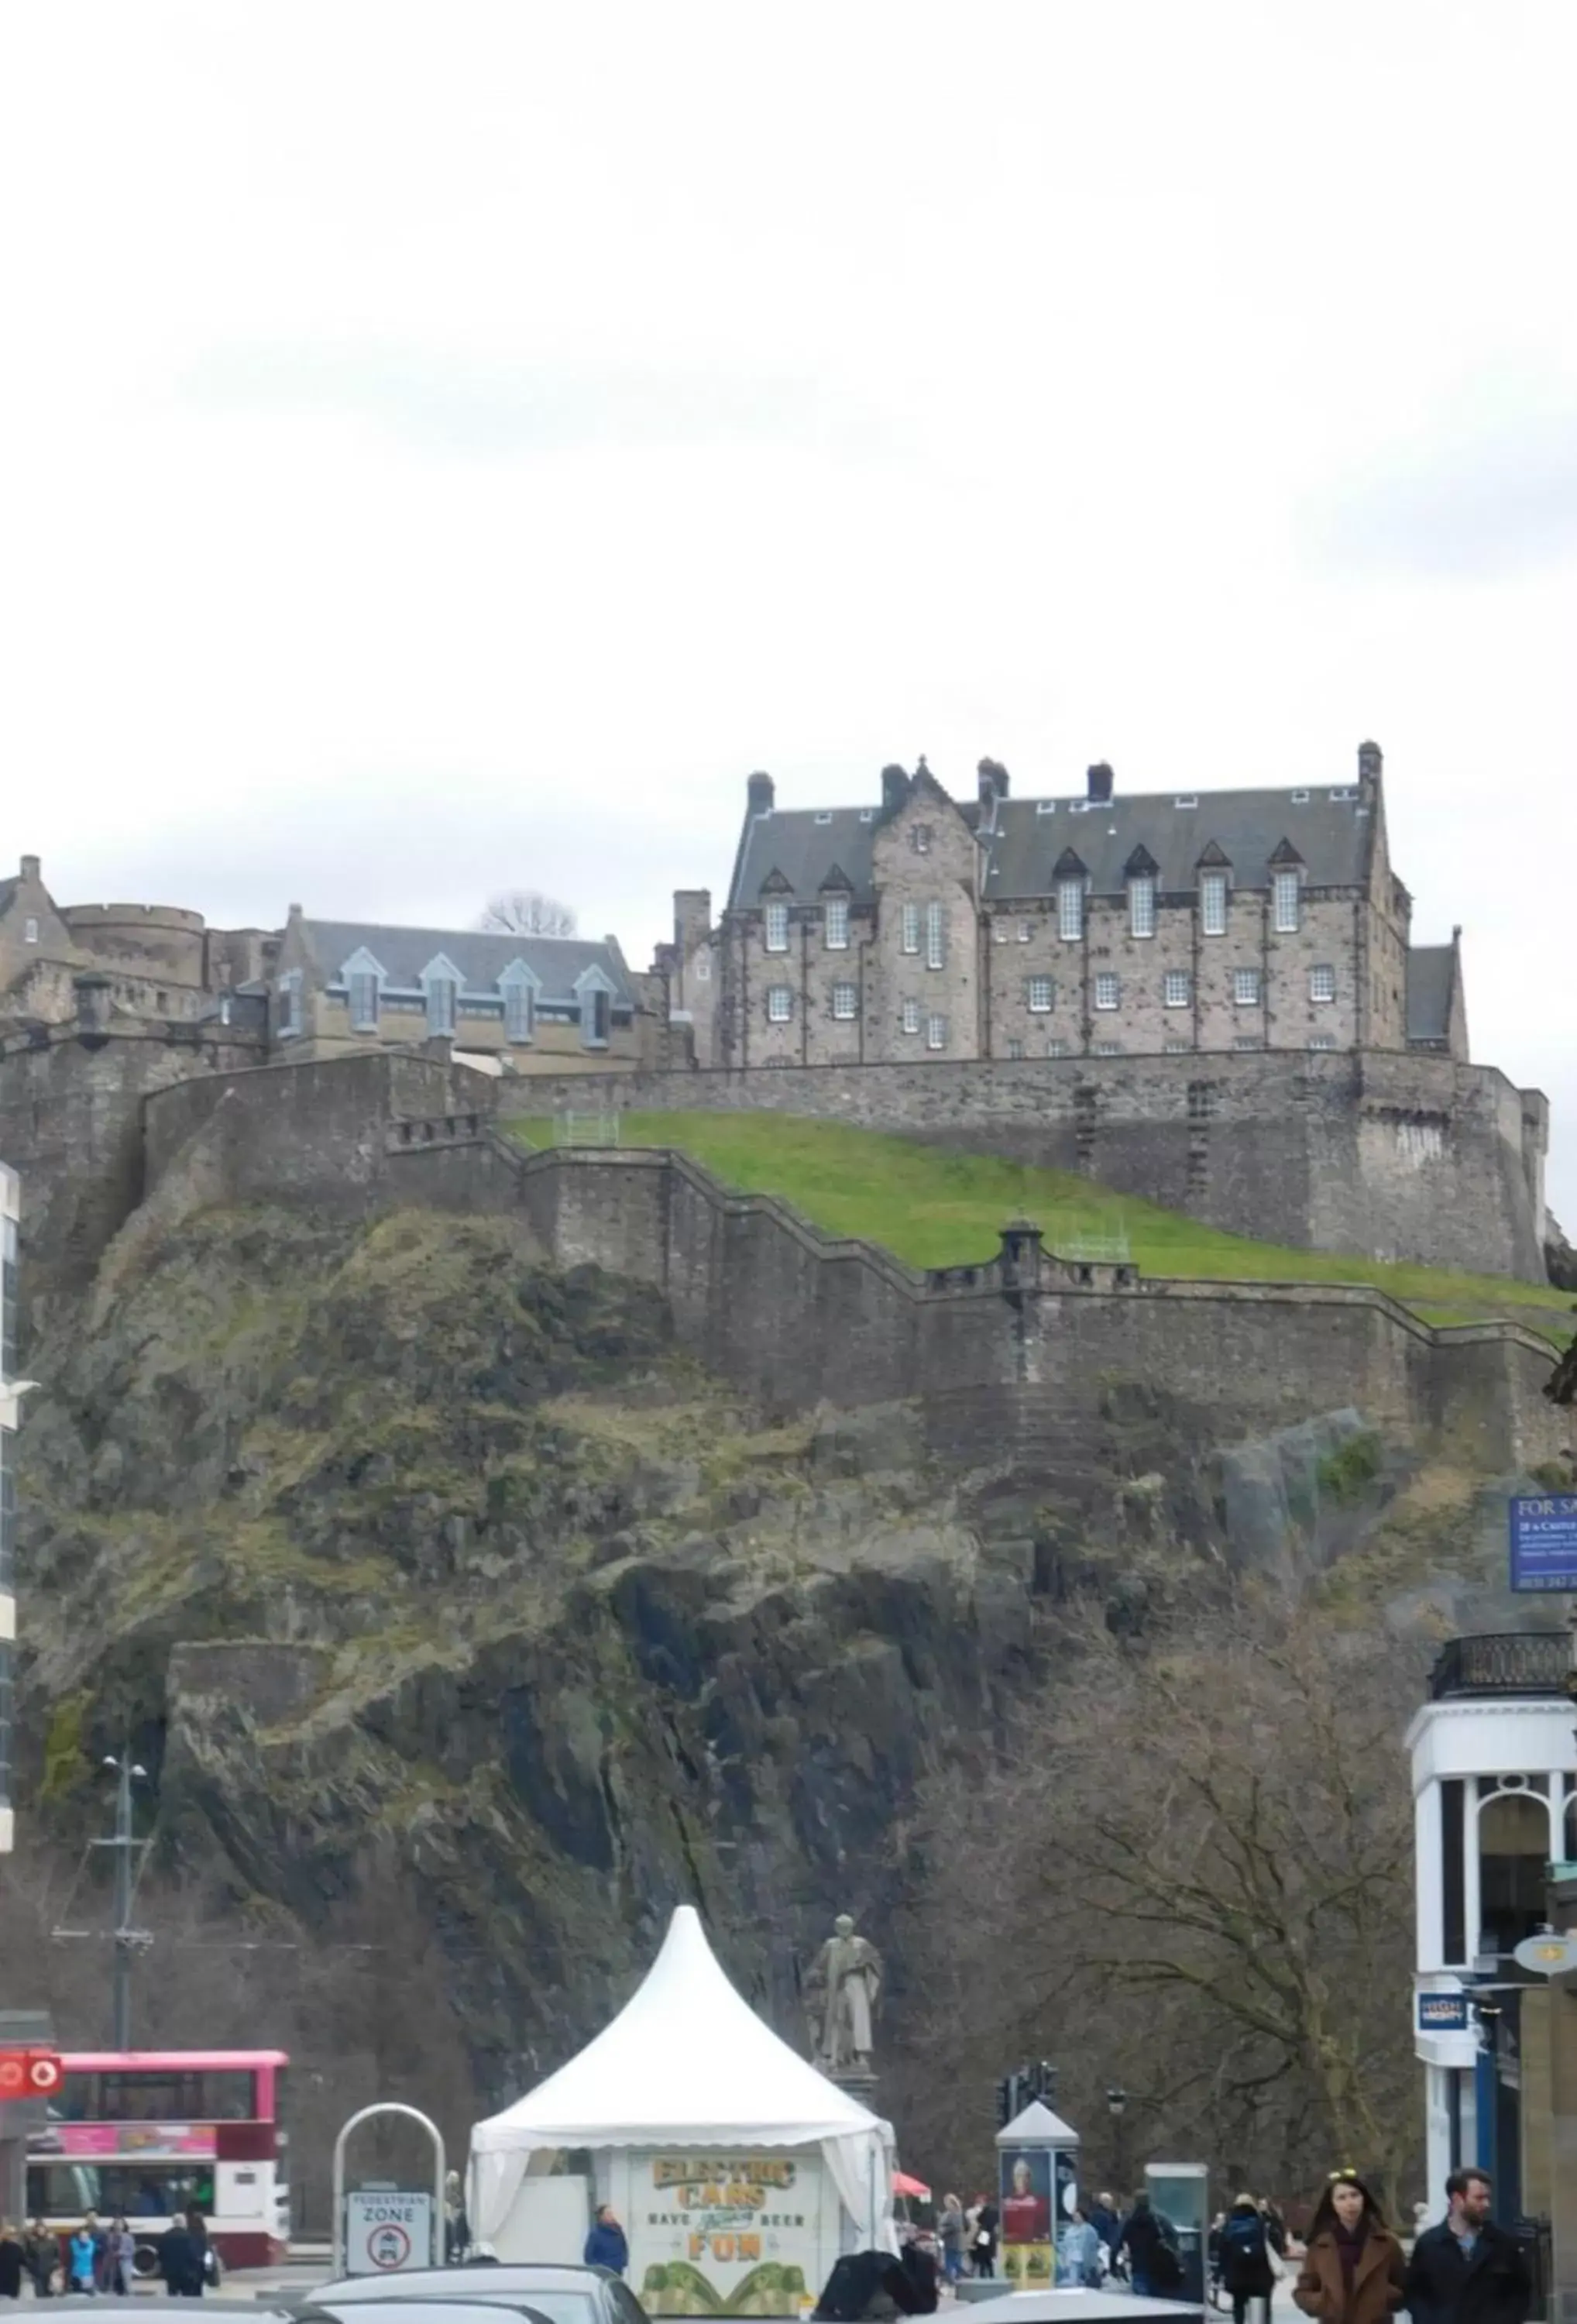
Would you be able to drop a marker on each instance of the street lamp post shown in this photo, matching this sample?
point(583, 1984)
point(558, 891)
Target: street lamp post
point(1117, 2106)
point(126, 1939)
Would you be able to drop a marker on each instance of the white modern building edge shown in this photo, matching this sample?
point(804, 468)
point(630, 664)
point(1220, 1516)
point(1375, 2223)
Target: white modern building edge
point(1494, 1762)
point(10, 1211)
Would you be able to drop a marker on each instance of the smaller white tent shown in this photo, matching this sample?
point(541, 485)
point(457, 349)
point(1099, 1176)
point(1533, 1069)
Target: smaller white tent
point(688, 2063)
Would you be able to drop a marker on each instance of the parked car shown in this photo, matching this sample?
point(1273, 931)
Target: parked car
point(387, 2308)
point(547, 2291)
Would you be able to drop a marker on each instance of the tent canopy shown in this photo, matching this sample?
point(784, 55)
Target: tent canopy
point(686, 2062)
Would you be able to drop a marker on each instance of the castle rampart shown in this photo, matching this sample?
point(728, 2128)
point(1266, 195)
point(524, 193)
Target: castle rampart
point(1391, 1153)
point(796, 1317)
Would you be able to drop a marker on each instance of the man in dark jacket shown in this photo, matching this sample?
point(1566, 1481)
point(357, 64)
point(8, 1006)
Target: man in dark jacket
point(1467, 2270)
point(1151, 2242)
point(181, 2260)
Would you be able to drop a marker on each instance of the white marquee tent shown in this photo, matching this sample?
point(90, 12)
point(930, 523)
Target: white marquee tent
point(686, 2062)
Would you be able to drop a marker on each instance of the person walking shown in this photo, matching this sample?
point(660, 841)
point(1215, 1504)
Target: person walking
point(1107, 2222)
point(950, 2228)
point(42, 2252)
point(1354, 2269)
point(1466, 2269)
point(181, 2254)
point(982, 2244)
point(608, 2245)
point(1078, 2257)
point(1151, 2242)
point(120, 2252)
point(1246, 2269)
point(12, 2262)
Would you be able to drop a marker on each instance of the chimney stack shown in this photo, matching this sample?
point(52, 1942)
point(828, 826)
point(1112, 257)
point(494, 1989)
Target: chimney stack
point(1370, 760)
point(760, 791)
point(993, 780)
point(29, 867)
point(895, 788)
point(1099, 780)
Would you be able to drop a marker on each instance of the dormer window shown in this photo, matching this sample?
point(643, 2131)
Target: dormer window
point(288, 1020)
point(518, 987)
point(1285, 895)
point(836, 923)
point(1070, 910)
point(777, 927)
point(1141, 904)
point(442, 998)
point(1212, 903)
point(364, 1000)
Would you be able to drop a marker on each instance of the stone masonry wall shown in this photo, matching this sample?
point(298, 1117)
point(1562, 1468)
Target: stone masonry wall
point(70, 1121)
point(1391, 1154)
point(797, 1318)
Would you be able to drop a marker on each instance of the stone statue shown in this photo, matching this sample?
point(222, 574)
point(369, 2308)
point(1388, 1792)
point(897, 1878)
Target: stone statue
point(842, 1992)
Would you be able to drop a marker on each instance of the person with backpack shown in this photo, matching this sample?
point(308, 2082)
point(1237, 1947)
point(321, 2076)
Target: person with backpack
point(1246, 2269)
point(1355, 2271)
point(1150, 2241)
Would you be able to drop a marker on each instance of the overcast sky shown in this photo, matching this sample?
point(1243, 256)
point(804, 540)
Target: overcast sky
point(450, 446)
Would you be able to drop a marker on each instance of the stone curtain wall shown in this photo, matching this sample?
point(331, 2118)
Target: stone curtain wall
point(796, 1317)
point(70, 1120)
point(1398, 1156)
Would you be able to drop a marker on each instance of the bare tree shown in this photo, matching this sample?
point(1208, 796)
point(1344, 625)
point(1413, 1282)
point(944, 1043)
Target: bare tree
point(522, 912)
point(1195, 1852)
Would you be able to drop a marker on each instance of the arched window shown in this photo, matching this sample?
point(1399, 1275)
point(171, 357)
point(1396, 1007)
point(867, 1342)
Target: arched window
point(1514, 1848)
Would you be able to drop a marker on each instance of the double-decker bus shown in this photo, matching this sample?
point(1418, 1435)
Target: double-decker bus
point(150, 2133)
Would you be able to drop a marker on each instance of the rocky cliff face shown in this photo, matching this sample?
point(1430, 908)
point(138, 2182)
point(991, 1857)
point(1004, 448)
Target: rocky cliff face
point(419, 1571)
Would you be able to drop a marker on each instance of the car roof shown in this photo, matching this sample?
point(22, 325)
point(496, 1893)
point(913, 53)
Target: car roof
point(415, 2310)
point(490, 2281)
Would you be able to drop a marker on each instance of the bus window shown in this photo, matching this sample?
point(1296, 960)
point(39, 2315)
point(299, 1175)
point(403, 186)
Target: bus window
point(141, 2191)
point(159, 2095)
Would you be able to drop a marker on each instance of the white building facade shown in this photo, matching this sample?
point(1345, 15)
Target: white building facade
point(1494, 1763)
point(10, 1213)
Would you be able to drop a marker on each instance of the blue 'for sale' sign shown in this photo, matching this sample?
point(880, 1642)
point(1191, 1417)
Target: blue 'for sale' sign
point(1544, 1541)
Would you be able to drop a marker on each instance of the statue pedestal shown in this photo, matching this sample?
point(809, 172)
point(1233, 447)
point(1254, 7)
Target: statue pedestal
point(860, 2082)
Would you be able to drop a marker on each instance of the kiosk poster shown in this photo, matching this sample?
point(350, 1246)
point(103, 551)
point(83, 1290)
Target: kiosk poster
point(727, 2234)
point(1026, 2219)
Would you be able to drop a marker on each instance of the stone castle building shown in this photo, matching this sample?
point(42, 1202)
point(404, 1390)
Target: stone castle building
point(1211, 1000)
point(1170, 924)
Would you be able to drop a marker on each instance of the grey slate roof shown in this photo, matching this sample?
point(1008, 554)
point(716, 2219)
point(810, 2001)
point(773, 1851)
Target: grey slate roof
point(1329, 833)
point(481, 958)
point(1330, 836)
point(1430, 973)
point(805, 846)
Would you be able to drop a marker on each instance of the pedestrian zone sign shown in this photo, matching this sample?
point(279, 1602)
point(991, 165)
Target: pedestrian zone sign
point(384, 2233)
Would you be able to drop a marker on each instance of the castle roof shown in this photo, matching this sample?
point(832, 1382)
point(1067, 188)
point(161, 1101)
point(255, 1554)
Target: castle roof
point(1431, 983)
point(1327, 829)
point(482, 957)
point(807, 848)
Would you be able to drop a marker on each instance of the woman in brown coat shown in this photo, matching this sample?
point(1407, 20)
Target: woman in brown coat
point(1354, 2269)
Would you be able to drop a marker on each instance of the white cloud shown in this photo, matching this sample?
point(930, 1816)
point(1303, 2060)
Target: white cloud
point(447, 445)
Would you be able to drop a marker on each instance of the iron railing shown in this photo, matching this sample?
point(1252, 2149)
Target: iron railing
point(1502, 1662)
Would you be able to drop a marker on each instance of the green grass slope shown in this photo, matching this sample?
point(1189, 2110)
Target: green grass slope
point(936, 1208)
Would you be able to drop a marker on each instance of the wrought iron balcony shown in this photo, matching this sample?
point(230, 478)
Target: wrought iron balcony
point(1503, 1662)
